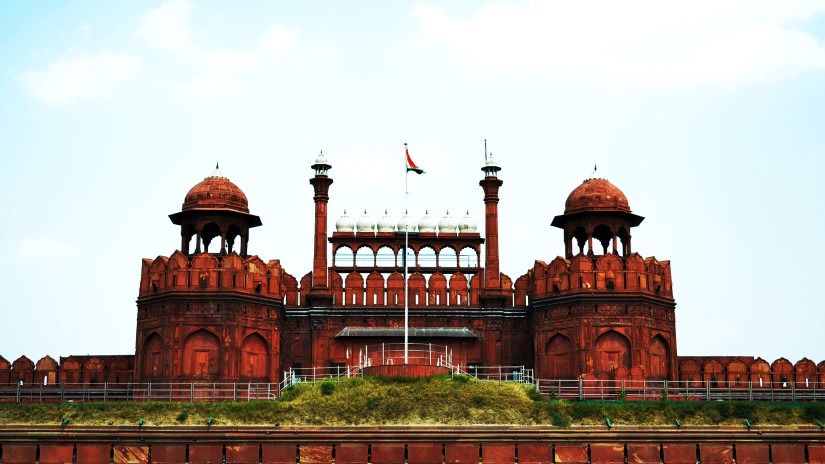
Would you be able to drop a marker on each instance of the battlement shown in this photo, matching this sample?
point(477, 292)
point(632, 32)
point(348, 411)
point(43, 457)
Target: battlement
point(375, 289)
point(207, 271)
point(601, 273)
point(70, 369)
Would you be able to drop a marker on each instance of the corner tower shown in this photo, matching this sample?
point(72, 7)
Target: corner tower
point(213, 314)
point(602, 311)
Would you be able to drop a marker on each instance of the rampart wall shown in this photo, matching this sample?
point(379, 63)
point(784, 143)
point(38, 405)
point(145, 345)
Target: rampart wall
point(413, 445)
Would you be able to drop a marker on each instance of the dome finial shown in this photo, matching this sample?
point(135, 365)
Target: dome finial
point(216, 172)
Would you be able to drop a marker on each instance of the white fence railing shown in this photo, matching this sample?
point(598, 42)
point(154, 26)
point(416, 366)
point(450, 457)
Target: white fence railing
point(576, 389)
point(641, 390)
point(192, 392)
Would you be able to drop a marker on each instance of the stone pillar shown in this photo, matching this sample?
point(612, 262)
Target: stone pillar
point(319, 262)
point(491, 262)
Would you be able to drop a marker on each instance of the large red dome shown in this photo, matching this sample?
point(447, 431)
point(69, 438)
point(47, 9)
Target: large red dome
point(216, 192)
point(596, 195)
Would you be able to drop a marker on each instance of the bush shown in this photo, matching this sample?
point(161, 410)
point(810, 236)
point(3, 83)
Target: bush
point(814, 412)
point(479, 401)
point(621, 395)
point(182, 417)
point(534, 394)
point(327, 388)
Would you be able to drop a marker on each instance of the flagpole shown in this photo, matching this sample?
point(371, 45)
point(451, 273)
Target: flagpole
point(406, 253)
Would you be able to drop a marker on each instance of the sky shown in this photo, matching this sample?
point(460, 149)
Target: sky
point(708, 115)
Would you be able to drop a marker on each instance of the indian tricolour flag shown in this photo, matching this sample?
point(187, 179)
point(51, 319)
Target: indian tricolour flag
point(411, 166)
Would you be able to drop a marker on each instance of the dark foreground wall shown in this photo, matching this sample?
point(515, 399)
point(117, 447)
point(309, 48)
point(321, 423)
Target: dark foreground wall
point(414, 445)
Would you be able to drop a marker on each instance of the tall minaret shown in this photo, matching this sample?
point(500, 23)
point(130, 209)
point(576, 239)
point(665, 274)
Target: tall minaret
point(491, 184)
point(321, 183)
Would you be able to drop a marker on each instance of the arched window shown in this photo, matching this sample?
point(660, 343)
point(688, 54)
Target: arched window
point(209, 232)
point(426, 257)
point(447, 257)
point(468, 257)
point(603, 235)
point(385, 257)
point(344, 257)
point(365, 257)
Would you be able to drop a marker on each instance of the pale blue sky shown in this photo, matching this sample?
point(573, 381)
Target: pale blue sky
point(709, 116)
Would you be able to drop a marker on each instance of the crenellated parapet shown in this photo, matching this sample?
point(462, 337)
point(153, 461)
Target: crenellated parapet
point(602, 273)
point(739, 371)
point(377, 289)
point(89, 370)
point(211, 272)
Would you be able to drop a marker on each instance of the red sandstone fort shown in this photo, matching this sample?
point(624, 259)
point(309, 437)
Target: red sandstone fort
point(216, 312)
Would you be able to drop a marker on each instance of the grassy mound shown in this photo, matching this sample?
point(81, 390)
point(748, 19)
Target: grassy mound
point(439, 400)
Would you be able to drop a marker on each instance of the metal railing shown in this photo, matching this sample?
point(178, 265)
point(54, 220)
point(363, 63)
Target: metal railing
point(689, 390)
point(191, 392)
point(572, 389)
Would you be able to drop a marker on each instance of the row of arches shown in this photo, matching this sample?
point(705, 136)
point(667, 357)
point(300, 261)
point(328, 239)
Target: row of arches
point(737, 372)
point(201, 357)
point(604, 236)
point(385, 256)
point(611, 357)
point(203, 236)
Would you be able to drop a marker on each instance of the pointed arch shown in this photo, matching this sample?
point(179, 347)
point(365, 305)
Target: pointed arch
point(385, 257)
point(760, 373)
point(354, 289)
point(395, 289)
point(152, 356)
point(437, 291)
point(201, 354)
point(254, 357)
point(375, 289)
point(782, 370)
point(458, 290)
point(737, 373)
point(447, 257)
point(364, 257)
point(659, 358)
point(611, 350)
point(427, 256)
point(468, 257)
point(417, 289)
point(343, 257)
point(560, 357)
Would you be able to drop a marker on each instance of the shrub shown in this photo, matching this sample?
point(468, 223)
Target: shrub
point(621, 395)
point(814, 412)
point(534, 394)
point(182, 417)
point(327, 388)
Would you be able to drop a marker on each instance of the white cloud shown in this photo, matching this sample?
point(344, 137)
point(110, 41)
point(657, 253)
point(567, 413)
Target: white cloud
point(80, 75)
point(85, 31)
point(213, 83)
point(278, 38)
point(167, 27)
point(640, 42)
point(229, 59)
point(323, 52)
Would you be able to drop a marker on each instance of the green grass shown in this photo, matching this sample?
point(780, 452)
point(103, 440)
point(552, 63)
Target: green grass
point(439, 400)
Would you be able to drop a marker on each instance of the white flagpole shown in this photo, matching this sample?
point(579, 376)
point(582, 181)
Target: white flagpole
point(406, 247)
